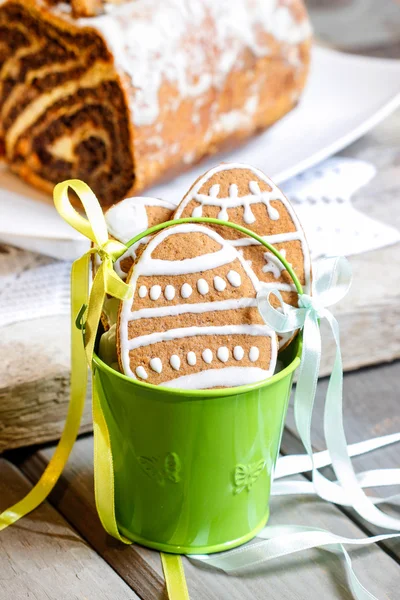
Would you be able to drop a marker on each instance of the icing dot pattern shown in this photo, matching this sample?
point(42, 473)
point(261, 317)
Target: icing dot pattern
point(169, 292)
point(254, 354)
point(219, 283)
point(202, 287)
point(175, 362)
point(223, 355)
point(156, 365)
point(186, 290)
point(238, 353)
point(207, 356)
point(155, 292)
point(142, 291)
point(191, 358)
point(141, 372)
point(234, 279)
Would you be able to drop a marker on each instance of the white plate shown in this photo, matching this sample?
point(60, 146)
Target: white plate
point(345, 97)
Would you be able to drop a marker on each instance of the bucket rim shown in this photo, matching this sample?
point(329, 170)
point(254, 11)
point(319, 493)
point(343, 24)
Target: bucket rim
point(212, 393)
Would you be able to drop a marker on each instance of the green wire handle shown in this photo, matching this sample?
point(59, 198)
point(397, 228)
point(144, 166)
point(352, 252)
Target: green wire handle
point(211, 221)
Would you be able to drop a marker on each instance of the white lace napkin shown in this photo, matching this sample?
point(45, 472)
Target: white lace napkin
point(33, 286)
point(322, 199)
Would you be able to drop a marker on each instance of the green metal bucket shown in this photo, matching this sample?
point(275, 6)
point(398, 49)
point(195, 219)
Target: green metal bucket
point(193, 469)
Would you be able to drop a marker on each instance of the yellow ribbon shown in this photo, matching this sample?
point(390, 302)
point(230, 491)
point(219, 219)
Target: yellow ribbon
point(94, 227)
point(174, 576)
point(77, 400)
point(106, 281)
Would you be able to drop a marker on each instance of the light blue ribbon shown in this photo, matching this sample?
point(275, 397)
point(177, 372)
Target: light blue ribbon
point(332, 280)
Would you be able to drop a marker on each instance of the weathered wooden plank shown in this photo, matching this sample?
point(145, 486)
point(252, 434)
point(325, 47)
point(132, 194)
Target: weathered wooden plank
point(34, 365)
point(297, 578)
point(34, 382)
point(43, 558)
point(371, 409)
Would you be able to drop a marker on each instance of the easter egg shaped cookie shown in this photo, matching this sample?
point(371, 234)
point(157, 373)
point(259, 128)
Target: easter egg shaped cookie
point(244, 195)
point(125, 220)
point(132, 216)
point(193, 322)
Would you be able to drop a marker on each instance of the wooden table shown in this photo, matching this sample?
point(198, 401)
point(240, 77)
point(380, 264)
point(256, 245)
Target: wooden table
point(61, 551)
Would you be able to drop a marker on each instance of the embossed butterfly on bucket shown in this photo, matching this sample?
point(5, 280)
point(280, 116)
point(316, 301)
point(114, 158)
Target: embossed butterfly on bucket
point(161, 470)
point(245, 476)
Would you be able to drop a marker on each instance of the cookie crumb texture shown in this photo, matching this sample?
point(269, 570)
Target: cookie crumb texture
point(144, 89)
point(193, 322)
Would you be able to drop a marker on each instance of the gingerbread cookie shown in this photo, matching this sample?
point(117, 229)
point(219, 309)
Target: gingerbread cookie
point(124, 221)
point(193, 322)
point(244, 195)
point(130, 217)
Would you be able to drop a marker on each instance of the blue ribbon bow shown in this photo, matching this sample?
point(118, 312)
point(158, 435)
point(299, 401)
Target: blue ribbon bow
point(332, 280)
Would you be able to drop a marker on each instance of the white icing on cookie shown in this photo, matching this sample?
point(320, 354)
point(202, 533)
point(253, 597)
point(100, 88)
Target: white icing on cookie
point(214, 190)
point(184, 332)
point(155, 292)
point(141, 372)
point(213, 199)
point(254, 353)
point(197, 211)
point(191, 358)
point(202, 287)
point(223, 354)
point(127, 219)
point(142, 291)
point(153, 266)
point(186, 290)
point(175, 362)
point(156, 365)
point(231, 376)
point(274, 265)
point(197, 264)
point(248, 216)
point(255, 196)
point(266, 198)
point(146, 265)
point(238, 352)
point(207, 355)
point(219, 283)
point(234, 279)
point(195, 308)
point(169, 292)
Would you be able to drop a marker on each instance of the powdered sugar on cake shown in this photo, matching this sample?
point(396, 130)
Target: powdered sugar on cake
point(150, 60)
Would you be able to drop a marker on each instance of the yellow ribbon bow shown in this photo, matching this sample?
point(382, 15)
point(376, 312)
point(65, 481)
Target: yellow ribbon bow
point(106, 281)
point(94, 228)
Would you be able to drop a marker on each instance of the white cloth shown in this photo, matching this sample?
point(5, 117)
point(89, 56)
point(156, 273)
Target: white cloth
point(32, 286)
point(321, 197)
